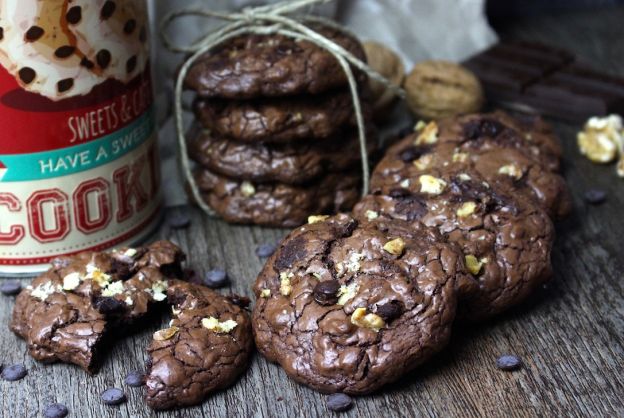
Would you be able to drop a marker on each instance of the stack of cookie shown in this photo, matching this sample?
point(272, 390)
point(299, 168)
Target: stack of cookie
point(458, 227)
point(275, 135)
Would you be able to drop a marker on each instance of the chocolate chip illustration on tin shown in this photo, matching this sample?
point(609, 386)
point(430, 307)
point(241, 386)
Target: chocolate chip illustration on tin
point(110, 33)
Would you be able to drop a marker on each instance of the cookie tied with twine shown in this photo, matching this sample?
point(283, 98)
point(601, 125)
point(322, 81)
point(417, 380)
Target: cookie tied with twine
point(272, 19)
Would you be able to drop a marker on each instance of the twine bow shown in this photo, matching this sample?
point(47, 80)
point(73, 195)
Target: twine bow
point(266, 20)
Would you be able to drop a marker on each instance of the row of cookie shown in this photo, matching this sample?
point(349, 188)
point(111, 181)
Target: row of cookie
point(64, 48)
point(457, 225)
point(68, 313)
point(275, 134)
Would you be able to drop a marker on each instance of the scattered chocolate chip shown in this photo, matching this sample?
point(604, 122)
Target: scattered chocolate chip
point(107, 10)
point(131, 64)
point(74, 15)
point(179, 219)
point(130, 26)
point(55, 410)
point(109, 305)
point(103, 58)
point(10, 287)
point(85, 62)
point(64, 85)
point(265, 250)
point(27, 75)
point(33, 33)
point(410, 154)
point(326, 293)
point(595, 196)
point(1, 33)
point(398, 193)
point(135, 379)
point(484, 127)
point(242, 301)
point(216, 278)
point(339, 402)
point(113, 396)
point(14, 372)
point(64, 51)
point(390, 310)
point(508, 362)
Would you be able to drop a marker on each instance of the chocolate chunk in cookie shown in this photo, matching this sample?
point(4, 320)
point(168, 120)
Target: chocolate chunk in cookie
point(322, 309)
point(278, 120)
point(67, 311)
point(294, 163)
point(271, 65)
point(505, 239)
point(277, 204)
point(206, 347)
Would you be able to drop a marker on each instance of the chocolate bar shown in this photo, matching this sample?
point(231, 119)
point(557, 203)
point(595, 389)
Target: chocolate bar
point(537, 78)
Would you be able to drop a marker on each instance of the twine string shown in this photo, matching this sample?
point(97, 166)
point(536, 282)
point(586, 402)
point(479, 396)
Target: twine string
point(265, 20)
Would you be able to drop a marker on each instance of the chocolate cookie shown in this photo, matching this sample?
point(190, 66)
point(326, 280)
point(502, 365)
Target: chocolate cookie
point(281, 119)
point(483, 145)
point(271, 65)
point(67, 311)
point(348, 306)
point(506, 240)
point(206, 347)
point(283, 163)
point(277, 204)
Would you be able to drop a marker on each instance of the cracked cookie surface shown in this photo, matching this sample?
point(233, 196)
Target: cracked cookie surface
point(67, 311)
point(278, 204)
point(206, 348)
point(271, 65)
point(278, 120)
point(348, 306)
point(505, 239)
point(282, 163)
point(491, 145)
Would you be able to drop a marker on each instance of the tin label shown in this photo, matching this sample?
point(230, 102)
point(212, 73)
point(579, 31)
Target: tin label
point(79, 167)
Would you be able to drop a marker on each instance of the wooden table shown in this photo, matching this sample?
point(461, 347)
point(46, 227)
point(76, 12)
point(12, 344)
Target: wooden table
point(570, 335)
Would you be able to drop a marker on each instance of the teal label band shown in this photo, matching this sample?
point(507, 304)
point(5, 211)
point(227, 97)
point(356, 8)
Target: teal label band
point(84, 157)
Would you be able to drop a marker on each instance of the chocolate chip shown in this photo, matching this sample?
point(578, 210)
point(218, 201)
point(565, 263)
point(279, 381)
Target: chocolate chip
point(64, 51)
point(242, 301)
point(113, 396)
point(130, 26)
point(1, 33)
point(216, 278)
point(595, 196)
point(412, 153)
point(10, 287)
point(485, 127)
point(14, 372)
point(265, 250)
point(103, 58)
point(55, 410)
point(27, 75)
point(135, 379)
point(65, 85)
point(87, 63)
point(109, 305)
point(107, 10)
point(326, 293)
point(131, 64)
point(508, 362)
point(33, 33)
point(398, 193)
point(411, 207)
point(390, 310)
point(339, 402)
point(74, 15)
point(179, 219)
point(293, 251)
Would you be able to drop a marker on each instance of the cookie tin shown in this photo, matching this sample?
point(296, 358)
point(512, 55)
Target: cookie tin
point(79, 166)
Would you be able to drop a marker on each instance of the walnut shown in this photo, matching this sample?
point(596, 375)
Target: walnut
point(431, 185)
point(437, 89)
point(395, 246)
point(387, 63)
point(601, 139)
point(165, 334)
point(362, 319)
point(312, 219)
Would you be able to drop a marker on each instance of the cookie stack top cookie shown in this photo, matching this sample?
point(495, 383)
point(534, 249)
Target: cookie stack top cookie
point(275, 124)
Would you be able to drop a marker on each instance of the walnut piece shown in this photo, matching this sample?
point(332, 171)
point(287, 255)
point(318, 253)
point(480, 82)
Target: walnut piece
point(437, 89)
point(367, 320)
point(395, 246)
point(602, 139)
point(388, 64)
